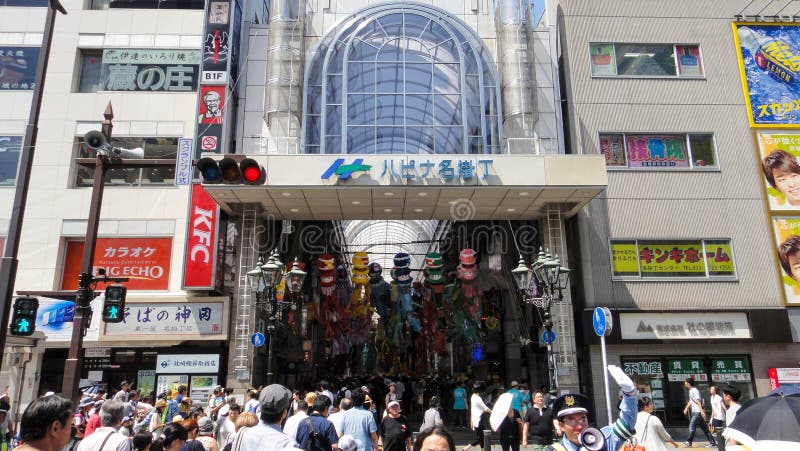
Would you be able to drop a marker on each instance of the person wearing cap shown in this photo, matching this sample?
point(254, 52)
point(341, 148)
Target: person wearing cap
point(82, 416)
point(360, 423)
point(518, 398)
point(107, 437)
point(572, 415)
point(205, 434)
point(347, 443)
point(122, 394)
point(159, 418)
point(94, 419)
point(267, 435)
point(477, 412)
point(395, 431)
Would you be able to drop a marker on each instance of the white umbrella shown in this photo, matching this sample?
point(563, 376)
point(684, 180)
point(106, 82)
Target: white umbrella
point(500, 410)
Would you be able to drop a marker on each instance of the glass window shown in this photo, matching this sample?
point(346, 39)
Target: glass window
point(645, 60)
point(403, 73)
point(710, 259)
point(147, 4)
point(90, 71)
point(10, 147)
point(652, 151)
point(154, 148)
point(23, 2)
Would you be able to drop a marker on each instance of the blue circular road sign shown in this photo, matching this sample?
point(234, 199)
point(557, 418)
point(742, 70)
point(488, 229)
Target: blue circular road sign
point(548, 336)
point(258, 339)
point(601, 321)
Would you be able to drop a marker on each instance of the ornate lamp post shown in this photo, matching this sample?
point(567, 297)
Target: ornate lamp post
point(553, 279)
point(295, 278)
point(262, 281)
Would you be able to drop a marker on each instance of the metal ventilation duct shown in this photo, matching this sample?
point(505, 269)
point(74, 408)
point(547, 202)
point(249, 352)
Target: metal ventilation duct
point(514, 21)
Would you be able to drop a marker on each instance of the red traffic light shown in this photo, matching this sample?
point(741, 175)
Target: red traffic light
point(232, 170)
point(252, 172)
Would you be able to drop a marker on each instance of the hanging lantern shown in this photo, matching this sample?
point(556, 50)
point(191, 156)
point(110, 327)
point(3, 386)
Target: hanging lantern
point(295, 277)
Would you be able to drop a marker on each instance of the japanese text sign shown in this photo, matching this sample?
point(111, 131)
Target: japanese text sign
point(145, 261)
point(678, 326)
point(787, 238)
point(768, 55)
point(187, 363)
point(150, 70)
point(163, 318)
point(680, 369)
point(730, 369)
point(779, 153)
point(643, 368)
point(183, 162)
point(645, 151)
point(201, 241)
point(672, 259)
point(18, 67)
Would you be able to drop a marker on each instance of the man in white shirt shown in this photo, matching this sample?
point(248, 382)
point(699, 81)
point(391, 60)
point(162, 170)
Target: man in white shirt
point(107, 437)
point(267, 435)
point(336, 418)
point(731, 395)
point(717, 408)
point(698, 415)
point(290, 427)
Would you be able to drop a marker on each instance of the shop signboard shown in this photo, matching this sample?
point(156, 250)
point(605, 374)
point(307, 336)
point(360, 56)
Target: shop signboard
point(767, 56)
point(784, 377)
point(684, 326)
point(734, 369)
point(680, 369)
point(171, 382)
point(18, 68)
point(55, 316)
point(420, 170)
point(787, 238)
point(201, 386)
point(183, 162)
point(187, 364)
point(200, 255)
point(187, 319)
point(144, 261)
point(645, 151)
point(650, 259)
point(150, 70)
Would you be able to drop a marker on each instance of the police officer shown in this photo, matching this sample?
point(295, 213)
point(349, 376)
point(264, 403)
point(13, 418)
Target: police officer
point(571, 411)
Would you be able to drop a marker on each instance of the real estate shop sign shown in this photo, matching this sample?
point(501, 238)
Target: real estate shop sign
point(150, 70)
point(769, 60)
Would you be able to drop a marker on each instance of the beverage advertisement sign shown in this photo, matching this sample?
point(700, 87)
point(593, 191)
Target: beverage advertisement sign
point(779, 152)
point(768, 60)
point(144, 261)
point(787, 237)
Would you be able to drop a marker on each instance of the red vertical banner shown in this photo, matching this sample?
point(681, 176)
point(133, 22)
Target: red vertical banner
point(200, 255)
point(773, 378)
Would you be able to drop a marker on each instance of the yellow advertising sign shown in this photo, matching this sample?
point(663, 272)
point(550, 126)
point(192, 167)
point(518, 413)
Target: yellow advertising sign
point(787, 235)
point(651, 259)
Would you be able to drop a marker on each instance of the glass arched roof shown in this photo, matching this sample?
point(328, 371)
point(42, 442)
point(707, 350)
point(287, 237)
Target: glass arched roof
point(401, 79)
point(383, 239)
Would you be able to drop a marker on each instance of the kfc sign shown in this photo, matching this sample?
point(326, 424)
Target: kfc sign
point(201, 241)
point(144, 261)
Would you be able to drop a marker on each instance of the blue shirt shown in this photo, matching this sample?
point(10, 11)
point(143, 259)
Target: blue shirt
point(360, 424)
point(628, 411)
point(517, 400)
point(321, 425)
point(459, 399)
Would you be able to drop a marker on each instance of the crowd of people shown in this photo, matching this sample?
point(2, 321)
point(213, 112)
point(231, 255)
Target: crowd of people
point(354, 418)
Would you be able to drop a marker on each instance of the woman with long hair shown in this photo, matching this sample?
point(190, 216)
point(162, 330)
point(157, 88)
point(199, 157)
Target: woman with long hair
point(650, 431)
point(479, 413)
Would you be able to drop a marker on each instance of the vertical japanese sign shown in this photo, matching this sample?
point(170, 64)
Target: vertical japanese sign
point(183, 162)
point(213, 95)
point(200, 255)
point(787, 237)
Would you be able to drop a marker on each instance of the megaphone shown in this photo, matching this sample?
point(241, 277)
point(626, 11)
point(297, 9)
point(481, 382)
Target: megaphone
point(95, 139)
point(135, 153)
point(592, 439)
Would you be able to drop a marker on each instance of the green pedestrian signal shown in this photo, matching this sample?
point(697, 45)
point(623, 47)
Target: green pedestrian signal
point(23, 318)
point(114, 304)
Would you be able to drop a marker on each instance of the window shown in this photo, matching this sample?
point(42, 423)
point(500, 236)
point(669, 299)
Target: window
point(645, 60)
point(91, 61)
point(18, 68)
point(401, 81)
point(147, 4)
point(171, 70)
point(23, 2)
point(10, 147)
point(659, 151)
point(154, 148)
point(695, 260)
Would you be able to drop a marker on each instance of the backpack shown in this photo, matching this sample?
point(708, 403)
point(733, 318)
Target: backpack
point(316, 441)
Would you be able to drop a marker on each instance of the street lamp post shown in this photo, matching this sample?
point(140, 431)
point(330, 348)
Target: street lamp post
point(263, 280)
point(553, 279)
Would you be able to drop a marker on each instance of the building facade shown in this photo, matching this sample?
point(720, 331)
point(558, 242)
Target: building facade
point(680, 245)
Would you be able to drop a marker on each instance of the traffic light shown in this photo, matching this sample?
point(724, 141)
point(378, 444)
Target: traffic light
point(23, 319)
point(231, 170)
point(114, 304)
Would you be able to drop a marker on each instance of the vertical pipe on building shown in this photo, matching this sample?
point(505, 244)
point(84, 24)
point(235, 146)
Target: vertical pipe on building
point(285, 67)
point(517, 74)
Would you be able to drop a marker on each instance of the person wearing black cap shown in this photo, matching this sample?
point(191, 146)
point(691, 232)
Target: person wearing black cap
point(571, 411)
point(267, 435)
